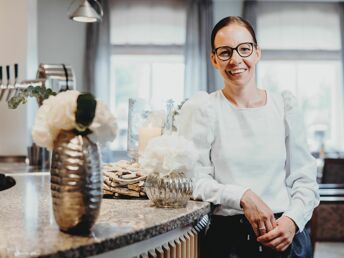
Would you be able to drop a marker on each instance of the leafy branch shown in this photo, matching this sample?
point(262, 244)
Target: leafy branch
point(38, 92)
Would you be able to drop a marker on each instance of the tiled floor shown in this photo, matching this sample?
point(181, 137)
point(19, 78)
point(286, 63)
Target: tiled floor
point(329, 250)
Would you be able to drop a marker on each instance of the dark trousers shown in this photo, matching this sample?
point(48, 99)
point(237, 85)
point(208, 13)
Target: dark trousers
point(233, 237)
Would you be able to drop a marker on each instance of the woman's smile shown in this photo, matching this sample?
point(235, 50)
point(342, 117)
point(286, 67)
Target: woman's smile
point(236, 72)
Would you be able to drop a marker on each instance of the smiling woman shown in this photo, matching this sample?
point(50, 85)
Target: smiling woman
point(254, 164)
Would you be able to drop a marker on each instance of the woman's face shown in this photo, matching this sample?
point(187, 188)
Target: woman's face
point(238, 71)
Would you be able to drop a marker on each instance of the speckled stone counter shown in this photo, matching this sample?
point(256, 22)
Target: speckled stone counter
point(28, 228)
point(18, 167)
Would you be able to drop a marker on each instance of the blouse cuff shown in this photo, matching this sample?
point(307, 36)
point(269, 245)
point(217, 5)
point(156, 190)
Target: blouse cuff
point(294, 213)
point(232, 195)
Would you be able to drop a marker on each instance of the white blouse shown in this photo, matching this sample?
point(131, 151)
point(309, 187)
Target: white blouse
point(263, 149)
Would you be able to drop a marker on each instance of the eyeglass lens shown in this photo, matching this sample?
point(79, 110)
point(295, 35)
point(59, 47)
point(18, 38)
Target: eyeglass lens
point(243, 49)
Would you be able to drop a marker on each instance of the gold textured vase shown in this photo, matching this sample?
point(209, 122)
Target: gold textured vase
point(76, 183)
point(172, 190)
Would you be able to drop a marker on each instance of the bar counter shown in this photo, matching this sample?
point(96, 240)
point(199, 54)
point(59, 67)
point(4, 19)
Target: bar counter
point(124, 228)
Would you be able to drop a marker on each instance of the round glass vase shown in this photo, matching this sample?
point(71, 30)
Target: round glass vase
point(171, 190)
point(76, 183)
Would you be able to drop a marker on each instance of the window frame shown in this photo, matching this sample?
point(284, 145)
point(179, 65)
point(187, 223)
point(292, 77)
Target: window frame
point(313, 55)
point(273, 54)
point(142, 50)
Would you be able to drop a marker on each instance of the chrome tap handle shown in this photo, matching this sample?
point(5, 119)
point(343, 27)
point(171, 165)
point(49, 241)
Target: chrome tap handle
point(8, 75)
point(0, 76)
point(15, 85)
point(2, 90)
point(15, 74)
point(9, 86)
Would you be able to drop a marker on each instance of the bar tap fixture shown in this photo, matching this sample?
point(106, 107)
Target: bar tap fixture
point(58, 77)
point(16, 79)
point(8, 87)
point(5, 88)
point(2, 87)
point(8, 76)
point(12, 90)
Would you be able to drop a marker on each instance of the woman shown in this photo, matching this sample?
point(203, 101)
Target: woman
point(254, 164)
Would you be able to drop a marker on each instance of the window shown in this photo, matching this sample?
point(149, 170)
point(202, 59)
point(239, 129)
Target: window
point(147, 61)
point(301, 52)
point(153, 77)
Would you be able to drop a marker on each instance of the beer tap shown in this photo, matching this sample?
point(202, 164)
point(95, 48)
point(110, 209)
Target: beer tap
point(1, 86)
point(4, 88)
point(11, 87)
point(8, 75)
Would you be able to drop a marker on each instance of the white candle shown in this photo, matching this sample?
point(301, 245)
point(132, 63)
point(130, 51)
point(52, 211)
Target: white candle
point(146, 134)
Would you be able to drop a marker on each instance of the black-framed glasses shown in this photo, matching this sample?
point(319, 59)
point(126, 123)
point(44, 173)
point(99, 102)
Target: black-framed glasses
point(243, 49)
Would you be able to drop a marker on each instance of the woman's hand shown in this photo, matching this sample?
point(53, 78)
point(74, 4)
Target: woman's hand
point(280, 237)
point(257, 213)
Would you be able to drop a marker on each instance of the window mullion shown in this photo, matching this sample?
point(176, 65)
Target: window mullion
point(269, 54)
point(147, 49)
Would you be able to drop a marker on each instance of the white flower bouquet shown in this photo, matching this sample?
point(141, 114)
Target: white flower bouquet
point(72, 110)
point(169, 153)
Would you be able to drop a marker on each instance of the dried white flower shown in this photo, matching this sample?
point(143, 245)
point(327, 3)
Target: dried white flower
point(58, 113)
point(169, 152)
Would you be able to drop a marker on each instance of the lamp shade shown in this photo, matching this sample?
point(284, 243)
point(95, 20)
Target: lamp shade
point(86, 13)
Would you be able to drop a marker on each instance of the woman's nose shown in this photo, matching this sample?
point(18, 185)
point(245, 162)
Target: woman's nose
point(236, 58)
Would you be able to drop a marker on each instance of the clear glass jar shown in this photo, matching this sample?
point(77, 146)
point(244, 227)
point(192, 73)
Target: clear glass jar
point(139, 110)
point(172, 190)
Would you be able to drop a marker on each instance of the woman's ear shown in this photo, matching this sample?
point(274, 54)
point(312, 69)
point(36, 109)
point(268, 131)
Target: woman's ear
point(213, 60)
point(258, 52)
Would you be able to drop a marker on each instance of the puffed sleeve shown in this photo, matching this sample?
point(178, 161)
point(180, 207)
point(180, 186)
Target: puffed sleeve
point(199, 121)
point(300, 166)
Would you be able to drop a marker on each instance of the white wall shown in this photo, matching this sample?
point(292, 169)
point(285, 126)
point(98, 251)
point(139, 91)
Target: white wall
point(60, 40)
point(17, 45)
point(224, 8)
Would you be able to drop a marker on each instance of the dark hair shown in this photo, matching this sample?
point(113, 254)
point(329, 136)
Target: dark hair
point(231, 20)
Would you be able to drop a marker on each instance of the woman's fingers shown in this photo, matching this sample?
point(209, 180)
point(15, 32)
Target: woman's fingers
point(279, 241)
point(273, 221)
point(282, 246)
point(273, 234)
point(262, 229)
point(255, 228)
point(257, 212)
point(268, 226)
point(280, 237)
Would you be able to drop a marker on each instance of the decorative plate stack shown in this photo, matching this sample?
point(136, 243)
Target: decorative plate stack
point(123, 179)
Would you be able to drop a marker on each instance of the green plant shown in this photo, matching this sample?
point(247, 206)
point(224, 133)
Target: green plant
point(38, 92)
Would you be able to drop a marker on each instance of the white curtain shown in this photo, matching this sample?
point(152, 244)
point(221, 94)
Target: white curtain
point(147, 22)
point(199, 74)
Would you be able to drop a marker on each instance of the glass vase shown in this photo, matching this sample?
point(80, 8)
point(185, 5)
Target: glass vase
point(172, 190)
point(76, 183)
point(139, 110)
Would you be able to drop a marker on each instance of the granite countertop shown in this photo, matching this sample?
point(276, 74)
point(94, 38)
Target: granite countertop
point(28, 228)
point(18, 167)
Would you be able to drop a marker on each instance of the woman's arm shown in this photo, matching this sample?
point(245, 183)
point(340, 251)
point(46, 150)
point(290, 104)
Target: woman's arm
point(300, 166)
point(300, 180)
